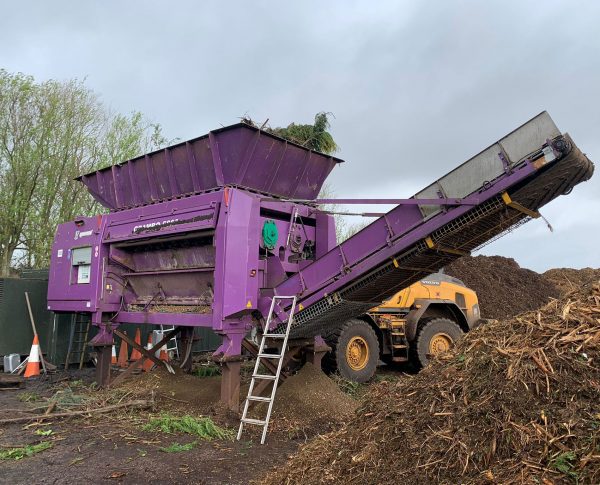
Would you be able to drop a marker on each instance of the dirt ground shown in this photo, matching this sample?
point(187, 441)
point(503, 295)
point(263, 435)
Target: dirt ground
point(115, 448)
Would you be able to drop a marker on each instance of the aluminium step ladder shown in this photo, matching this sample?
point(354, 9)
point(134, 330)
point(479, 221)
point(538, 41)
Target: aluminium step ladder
point(275, 378)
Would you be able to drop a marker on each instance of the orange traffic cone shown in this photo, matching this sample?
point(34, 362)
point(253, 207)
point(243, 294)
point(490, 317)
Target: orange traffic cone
point(123, 354)
point(135, 353)
point(33, 364)
point(148, 364)
point(113, 359)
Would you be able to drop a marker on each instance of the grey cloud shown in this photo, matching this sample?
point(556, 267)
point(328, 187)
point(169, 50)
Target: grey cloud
point(416, 87)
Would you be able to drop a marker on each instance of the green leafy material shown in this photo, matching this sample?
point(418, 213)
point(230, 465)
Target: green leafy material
point(564, 463)
point(351, 388)
point(207, 371)
point(203, 427)
point(314, 137)
point(177, 448)
point(43, 432)
point(22, 452)
point(29, 397)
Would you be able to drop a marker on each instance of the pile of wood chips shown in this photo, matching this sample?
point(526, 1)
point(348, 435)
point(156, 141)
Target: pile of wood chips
point(517, 401)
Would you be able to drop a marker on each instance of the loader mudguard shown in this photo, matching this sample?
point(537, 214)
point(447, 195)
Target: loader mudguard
point(433, 308)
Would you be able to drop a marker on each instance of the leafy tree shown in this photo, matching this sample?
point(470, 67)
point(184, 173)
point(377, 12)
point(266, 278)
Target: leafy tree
point(50, 133)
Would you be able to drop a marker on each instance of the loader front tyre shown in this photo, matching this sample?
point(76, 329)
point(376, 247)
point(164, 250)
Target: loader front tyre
point(355, 351)
point(434, 336)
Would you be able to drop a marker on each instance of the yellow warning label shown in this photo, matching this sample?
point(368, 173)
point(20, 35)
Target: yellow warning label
point(249, 304)
point(301, 307)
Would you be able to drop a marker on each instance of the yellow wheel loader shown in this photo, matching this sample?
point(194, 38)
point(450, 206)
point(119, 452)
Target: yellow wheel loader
point(416, 323)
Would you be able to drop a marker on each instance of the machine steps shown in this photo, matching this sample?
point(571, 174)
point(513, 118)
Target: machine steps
point(267, 360)
point(78, 338)
point(398, 340)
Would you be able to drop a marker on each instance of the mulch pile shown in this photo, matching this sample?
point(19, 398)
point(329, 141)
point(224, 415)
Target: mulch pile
point(515, 401)
point(568, 279)
point(309, 401)
point(504, 288)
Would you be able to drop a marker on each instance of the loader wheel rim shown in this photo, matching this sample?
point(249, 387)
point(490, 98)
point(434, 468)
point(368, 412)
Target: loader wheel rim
point(440, 342)
point(357, 353)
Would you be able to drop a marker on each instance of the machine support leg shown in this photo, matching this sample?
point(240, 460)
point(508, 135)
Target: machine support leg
point(102, 343)
point(316, 352)
point(230, 384)
point(104, 355)
point(187, 339)
point(229, 356)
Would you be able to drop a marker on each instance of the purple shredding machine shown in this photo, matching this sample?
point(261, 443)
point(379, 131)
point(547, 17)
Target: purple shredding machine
point(205, 232)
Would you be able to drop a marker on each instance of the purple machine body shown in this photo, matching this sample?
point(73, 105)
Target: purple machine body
point(184, 244)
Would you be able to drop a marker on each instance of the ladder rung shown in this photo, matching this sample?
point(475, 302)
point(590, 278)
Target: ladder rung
point(398, 334)
point(265, 377)
point(398, 346)
point(261, 354)
point(254, 421)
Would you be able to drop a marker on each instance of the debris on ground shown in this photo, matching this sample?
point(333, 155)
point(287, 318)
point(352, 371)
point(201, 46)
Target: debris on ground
point(308, 401)
point(8, 381)
point(504, 288)
point(203, 427)
point(180, 392)
point(569, 279)
point(66, 403)
point(516, 401)
point(21, 452)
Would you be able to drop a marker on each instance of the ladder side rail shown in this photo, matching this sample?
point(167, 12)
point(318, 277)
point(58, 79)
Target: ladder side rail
point(255, 375)
point(279, 365)
point(255, 372)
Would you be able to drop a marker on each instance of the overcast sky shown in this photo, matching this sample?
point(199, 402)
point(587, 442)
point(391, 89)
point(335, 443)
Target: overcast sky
point(416, 87)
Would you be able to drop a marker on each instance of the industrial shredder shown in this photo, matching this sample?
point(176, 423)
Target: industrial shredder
point(206, 232)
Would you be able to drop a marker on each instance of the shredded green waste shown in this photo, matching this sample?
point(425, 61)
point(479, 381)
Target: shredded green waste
point(24, 451)
point(177, 448)
point(207, 371)
point(203, 427)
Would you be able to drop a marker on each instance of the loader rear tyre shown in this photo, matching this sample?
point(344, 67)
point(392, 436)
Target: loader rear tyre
point(354, 351)
point(434, 336)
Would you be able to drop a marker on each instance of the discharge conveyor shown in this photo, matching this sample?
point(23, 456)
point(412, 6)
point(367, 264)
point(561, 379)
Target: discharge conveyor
point(491, 194)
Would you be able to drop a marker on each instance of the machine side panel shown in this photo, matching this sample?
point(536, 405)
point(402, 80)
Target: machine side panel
point(236, 270)
point(75, 266)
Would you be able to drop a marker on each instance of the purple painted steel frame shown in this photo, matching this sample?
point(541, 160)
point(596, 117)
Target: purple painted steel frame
point(381, 241)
